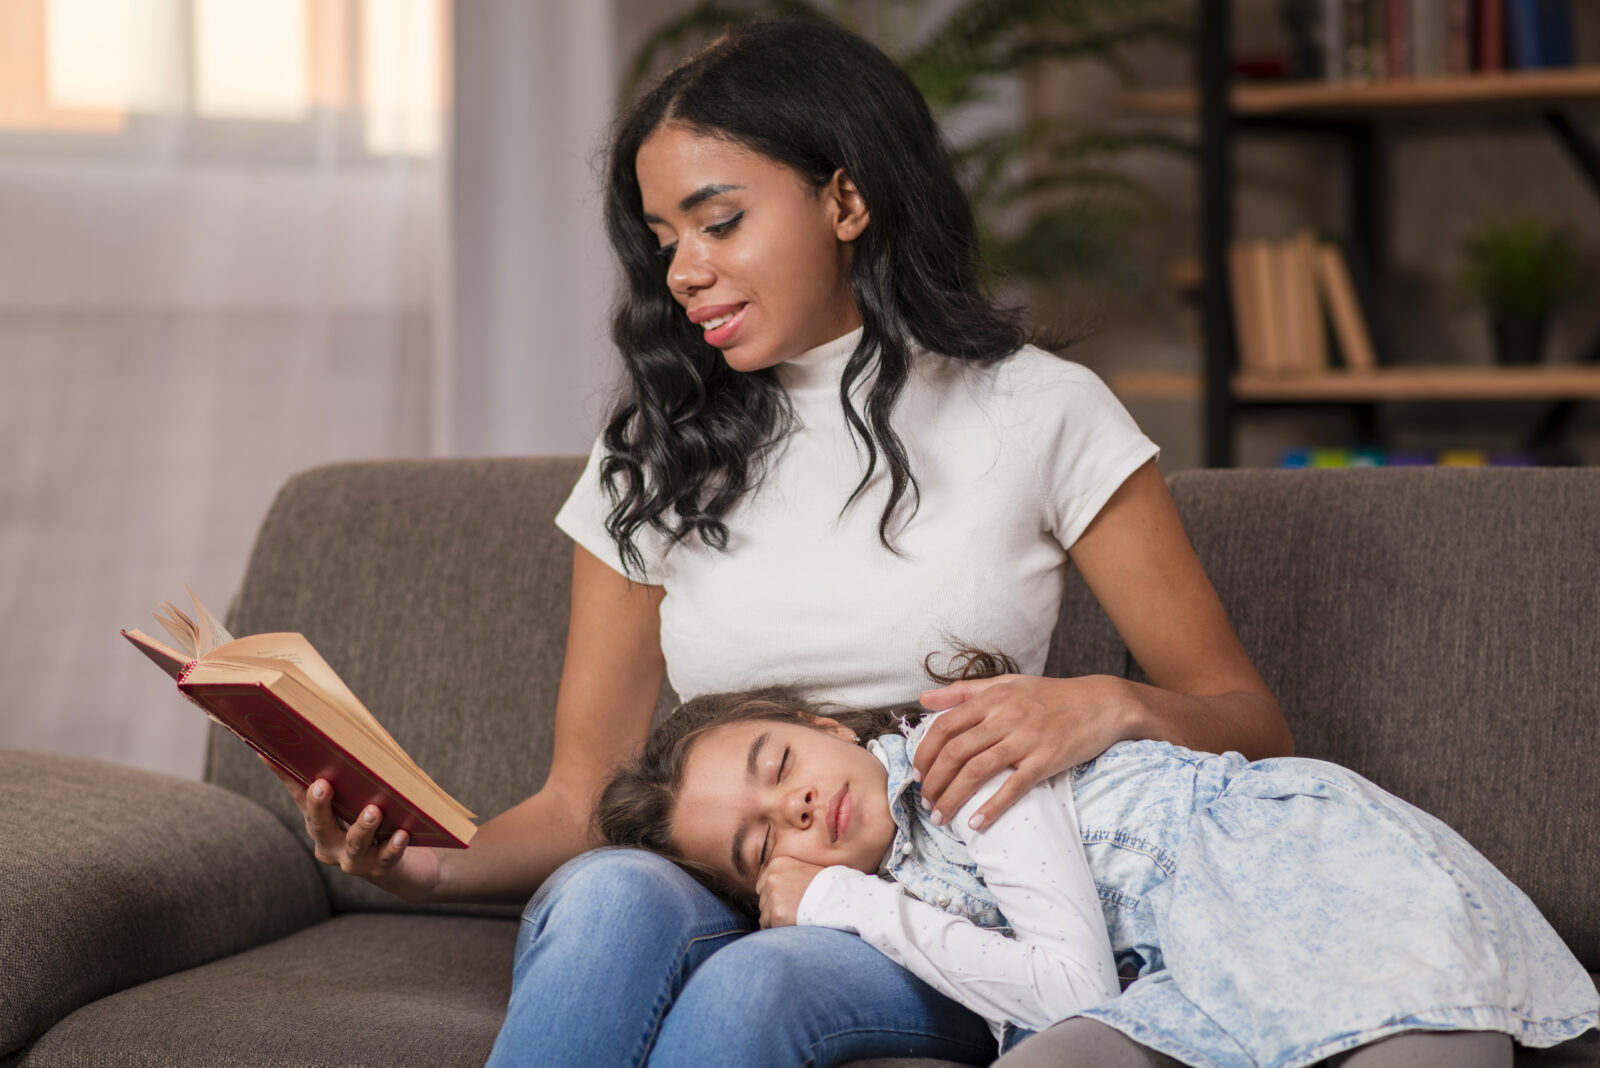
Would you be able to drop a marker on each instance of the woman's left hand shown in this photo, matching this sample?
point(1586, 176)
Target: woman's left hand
point(1039, 726)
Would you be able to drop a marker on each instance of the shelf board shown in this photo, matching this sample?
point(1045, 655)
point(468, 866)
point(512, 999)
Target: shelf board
point(1426, 383)
point(1143, 385)
point(1422, 383)
point(1530, 89)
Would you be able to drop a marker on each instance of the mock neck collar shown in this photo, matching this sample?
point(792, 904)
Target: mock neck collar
point(820, 367)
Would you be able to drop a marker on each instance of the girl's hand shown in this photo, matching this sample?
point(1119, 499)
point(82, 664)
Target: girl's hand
point(1036, 725)
point(782, 884)
point(410, 874)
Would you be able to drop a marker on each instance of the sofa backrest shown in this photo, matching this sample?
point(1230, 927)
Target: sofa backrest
point(1437, 630)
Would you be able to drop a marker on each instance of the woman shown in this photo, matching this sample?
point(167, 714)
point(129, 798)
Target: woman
point(822, 411)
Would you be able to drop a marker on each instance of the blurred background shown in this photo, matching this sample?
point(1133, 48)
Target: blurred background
point(239, 238)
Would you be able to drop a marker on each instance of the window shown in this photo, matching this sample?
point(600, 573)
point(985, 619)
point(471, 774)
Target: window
point(290, 79)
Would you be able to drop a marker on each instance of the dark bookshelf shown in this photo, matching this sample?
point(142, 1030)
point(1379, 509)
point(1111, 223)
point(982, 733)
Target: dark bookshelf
point(1353, 113)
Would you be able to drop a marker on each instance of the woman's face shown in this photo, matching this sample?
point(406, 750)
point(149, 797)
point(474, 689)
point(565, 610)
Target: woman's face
point(756, 257)
point(760, 789)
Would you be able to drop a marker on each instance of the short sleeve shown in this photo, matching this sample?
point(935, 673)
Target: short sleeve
point(1088, 446)
point(583, 519)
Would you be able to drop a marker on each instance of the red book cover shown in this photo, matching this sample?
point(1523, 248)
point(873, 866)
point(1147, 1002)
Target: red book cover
point(1491, 35)
point(275, 730)
point(1399, 26)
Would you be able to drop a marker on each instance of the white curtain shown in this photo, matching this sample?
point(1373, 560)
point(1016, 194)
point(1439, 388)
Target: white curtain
point(220, 262)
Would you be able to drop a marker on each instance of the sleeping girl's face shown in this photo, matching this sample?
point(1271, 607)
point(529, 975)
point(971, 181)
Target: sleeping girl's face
point(761, 789)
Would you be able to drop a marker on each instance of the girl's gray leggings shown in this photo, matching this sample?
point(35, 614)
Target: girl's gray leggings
point(1091, 1044)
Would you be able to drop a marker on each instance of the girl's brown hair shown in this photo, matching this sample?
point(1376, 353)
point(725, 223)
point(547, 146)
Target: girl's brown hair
point(635, 808)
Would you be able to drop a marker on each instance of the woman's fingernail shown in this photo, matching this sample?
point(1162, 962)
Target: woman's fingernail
point(398, 839)
point(319, 790)
point(926, 803)
point(976, 821)
point(369, 815)
point(938, 819)
point(916, 776)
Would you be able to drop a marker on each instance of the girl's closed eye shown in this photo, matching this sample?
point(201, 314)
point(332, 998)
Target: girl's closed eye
point(766, 838)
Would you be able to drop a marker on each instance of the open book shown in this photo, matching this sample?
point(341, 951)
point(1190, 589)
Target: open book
point(277, 693)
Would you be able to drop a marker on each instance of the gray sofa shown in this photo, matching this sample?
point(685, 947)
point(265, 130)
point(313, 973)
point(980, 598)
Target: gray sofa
point(1438, 630)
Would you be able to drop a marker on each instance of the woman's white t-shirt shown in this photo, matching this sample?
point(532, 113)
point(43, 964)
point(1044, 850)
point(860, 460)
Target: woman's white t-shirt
point(1013, 459)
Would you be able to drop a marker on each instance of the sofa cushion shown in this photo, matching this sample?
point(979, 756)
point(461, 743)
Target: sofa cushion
point(361, 989)
point(110, 876)
point(1437, 630)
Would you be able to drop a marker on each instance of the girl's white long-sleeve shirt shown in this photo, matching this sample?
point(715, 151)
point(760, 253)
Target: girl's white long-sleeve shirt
point(1032, 859)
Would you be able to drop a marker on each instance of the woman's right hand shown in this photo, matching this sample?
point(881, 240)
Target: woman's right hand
point(410, 874)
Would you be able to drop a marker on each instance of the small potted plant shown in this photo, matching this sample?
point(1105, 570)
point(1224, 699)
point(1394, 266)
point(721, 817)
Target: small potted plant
point(1520, 269)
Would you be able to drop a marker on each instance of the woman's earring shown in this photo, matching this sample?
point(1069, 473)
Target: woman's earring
point(854, 737)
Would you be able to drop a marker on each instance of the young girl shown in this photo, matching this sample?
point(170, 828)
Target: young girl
point(1274, 913)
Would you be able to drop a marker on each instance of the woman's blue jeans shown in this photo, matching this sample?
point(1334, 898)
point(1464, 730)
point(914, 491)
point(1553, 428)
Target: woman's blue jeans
point(623, 959)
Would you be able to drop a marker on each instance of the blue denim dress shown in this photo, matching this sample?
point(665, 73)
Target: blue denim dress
point(1279, 912)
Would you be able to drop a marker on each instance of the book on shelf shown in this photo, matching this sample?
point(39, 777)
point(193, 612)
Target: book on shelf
point(1286, 296)
point(1298, 257)
point(1538, 33)
point(1344, 309)
point(1372, 311)
point(1376, 40)
point(1397, 24)
point(1257, 320)
point(1489, 37)
point(1458, 37)
point(282, 699)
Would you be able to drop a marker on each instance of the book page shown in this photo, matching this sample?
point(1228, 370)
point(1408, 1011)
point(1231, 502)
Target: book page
point(180, 626)
point(210, 634)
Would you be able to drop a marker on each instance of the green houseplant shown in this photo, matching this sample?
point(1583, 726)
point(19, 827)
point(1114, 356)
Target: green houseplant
point(1051, 202)
point(1520, 269)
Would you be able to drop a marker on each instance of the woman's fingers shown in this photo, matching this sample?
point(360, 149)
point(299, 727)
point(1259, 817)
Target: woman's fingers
point(1021, 780)
point(936, 737)
point(955, 693)
point(953, 757)
point(1005, 751)
point(358, 840)
point(354, 849)
point(392, 850)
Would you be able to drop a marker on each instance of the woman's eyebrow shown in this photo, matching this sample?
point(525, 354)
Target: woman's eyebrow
point(750, 772)
point(695, 199)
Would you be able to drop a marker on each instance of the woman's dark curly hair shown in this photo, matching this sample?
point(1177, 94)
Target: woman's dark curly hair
point(637, 805)
point(688, 435)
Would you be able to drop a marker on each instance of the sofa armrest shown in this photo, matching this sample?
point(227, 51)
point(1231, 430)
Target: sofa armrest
point(111, 876)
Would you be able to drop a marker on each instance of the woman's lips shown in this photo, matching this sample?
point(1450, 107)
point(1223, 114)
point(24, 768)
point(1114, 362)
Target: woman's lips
point(839, 813)
point(720, 336)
